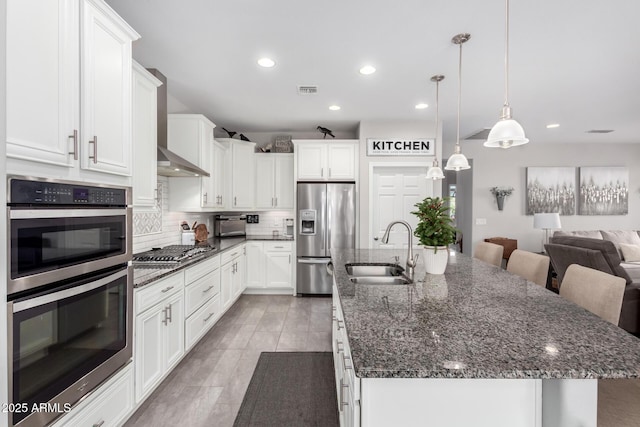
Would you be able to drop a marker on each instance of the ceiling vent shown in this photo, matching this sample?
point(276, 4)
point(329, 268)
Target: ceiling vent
point(307, 90)
point(481, 134)
point(600, 131)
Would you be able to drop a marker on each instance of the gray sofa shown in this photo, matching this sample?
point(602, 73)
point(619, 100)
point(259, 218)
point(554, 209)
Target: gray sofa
point(600, 250)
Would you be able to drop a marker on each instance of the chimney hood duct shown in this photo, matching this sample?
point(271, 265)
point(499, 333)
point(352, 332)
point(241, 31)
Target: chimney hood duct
point(169, 163)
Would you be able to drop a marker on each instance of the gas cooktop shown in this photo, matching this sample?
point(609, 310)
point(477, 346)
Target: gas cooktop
point(170, 254)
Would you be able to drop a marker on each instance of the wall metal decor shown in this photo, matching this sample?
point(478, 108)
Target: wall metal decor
point(604, 191)
point(551, 189)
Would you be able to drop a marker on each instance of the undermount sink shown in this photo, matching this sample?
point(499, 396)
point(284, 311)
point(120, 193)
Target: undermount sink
point(373, 270)
point(377, 274)
point(381, 280)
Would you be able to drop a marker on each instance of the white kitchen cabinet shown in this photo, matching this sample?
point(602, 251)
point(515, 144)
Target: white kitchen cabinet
point(326, 161)
point(269, 267)
point(219, 176)
point(159, 333)
point(109, 405)
point(54, 75)
point(191, 137)
point(145, 129)
point(274, 181)
point(242, 173)
point(232, 276)
point(202, 299)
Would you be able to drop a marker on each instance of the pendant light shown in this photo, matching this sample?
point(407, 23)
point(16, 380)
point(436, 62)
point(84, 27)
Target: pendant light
point(434, 171)
point(458, 161)
point(507, 132)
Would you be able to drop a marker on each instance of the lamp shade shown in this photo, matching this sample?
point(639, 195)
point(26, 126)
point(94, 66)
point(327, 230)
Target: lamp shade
point(457, 162)
point(546, 221)
point(434, 173)
point(506, 133)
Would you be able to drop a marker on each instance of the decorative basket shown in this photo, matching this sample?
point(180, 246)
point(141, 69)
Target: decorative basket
point(283, 144)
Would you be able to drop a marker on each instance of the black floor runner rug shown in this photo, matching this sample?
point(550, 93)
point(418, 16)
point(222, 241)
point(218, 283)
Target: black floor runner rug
point(291, 389)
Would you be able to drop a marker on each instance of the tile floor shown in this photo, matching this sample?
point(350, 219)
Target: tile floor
point(207, 387)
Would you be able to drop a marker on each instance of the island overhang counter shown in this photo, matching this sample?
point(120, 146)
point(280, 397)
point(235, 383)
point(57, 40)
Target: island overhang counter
point(475, 346)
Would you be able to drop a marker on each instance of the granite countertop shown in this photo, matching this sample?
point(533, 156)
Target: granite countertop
point(144, 274)
point(475, 321)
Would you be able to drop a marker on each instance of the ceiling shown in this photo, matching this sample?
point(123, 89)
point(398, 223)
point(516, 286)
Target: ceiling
point(572, 62)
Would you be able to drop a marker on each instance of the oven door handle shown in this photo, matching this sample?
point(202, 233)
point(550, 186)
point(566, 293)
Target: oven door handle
point(56, 213)
point(66, 293)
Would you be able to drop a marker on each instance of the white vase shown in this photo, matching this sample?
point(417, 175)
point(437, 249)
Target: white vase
point(435, 259)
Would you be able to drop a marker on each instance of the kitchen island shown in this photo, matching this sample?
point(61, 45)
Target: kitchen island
point(475, 346)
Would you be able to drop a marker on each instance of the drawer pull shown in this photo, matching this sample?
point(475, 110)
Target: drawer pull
point(278, 247)
point(338, 344)
point(208, 289)
point(208, 317)
point(165, 290)
point(344, 362)
point(339, 322)
point(100, 424)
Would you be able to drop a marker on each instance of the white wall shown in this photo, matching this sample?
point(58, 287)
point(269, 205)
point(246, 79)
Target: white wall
point(391, 129)
point(497, 167)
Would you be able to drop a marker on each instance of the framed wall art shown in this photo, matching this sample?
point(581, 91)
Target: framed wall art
point(551, 189)
point(604, 191)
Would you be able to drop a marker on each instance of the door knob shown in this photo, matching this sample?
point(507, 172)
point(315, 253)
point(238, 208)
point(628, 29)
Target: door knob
point(375, 238)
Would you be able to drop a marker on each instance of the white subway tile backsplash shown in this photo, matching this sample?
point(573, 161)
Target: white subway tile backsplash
point(269, 221)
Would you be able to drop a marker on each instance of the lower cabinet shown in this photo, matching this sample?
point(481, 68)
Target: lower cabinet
point(202, 299)
point(269, 267)
point(109, 405)
point(159, 333)
point(347, 384)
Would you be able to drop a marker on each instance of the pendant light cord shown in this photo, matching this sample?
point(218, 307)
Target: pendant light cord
point(506, 57)
point(435, 147)
point(459, 97)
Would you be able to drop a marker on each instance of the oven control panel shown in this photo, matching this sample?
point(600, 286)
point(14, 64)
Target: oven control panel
point(28, 192)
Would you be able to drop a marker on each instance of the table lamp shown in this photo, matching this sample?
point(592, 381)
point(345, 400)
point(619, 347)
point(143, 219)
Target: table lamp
point(546, 221)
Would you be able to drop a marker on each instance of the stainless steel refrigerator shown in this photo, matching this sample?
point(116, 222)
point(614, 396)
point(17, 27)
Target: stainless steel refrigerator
point(326, 219)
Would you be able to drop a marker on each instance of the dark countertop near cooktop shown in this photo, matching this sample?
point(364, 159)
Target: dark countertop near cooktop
point(474, 321)
point(144, 274)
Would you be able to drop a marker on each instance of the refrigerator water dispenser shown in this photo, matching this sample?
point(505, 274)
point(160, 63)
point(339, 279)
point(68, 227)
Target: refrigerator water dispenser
point(308, 222)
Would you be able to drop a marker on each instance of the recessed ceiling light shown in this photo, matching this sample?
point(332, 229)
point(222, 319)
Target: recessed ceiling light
point(421, 106)
point(367, 69)
point(553, 126)
point(334, 107)
point(266, 62)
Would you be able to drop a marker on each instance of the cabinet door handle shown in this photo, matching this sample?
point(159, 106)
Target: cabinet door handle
point(167, 289)
point(278, 247)
point(204, 197)
point(276, 202)
point(343, 386)
point(289, 258)
point(321, 172)
point(344, 362)
point(208, 289)
point(170, 313)
point(75, 144)
point(100, 424)
point(208, 317)
point(338, 344)
point(95, 149)
point(166, 319)
point(339, 322)
point(329, 172)
point(235, 201)
point(157, 194)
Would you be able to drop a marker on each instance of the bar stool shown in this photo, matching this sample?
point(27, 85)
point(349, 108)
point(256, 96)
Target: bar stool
point(489, 253)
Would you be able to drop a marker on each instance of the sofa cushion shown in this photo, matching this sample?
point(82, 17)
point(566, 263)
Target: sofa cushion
point(633, 270)
point(630, 253)
point(607, 248)
point(621, 236)
point(592, 234)
point(562, 256)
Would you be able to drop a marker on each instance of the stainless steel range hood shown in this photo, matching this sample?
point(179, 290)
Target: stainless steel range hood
point(169, 163)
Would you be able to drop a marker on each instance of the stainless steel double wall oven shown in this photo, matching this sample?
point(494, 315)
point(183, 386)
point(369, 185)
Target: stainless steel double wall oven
point(70, 292)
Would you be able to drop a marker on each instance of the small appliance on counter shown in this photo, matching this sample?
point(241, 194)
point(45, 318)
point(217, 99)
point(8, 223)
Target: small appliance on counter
point(230, 225)
point(288, 227)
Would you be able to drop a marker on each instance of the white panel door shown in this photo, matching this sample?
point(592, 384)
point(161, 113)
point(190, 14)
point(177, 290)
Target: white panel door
point(43, 81)
point(226, 283)
point(148, 350)
point(255, 265)
point(106, 93)
point(395, 191)
point(278, 266)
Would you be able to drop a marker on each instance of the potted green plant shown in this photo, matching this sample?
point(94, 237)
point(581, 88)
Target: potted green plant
point(435, 231)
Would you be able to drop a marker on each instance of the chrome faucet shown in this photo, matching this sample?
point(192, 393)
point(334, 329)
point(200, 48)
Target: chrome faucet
point(411, 262)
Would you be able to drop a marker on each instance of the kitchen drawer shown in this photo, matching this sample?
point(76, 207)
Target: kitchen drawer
point(109, 406)
point(200, 269)
point(201, 321)
point(277, 246)
point(231, 254)
point(150, 295)
point(201, 291)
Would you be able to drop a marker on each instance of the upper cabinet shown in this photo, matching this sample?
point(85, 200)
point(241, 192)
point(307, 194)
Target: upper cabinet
point(274, 181)
point(56, 51)
point(191, 137)
point(145, 129)
point(319, 160)
point(243, 173)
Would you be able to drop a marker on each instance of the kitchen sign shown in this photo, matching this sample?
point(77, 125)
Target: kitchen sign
point(400, 147)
